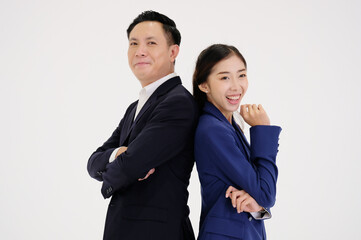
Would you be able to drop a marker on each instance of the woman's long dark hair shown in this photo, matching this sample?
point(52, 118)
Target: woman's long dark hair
point(207, 59)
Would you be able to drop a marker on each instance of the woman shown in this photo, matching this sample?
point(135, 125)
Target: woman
point(238, 179)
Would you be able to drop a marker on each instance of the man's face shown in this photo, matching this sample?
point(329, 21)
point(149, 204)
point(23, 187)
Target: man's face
point(149, 55)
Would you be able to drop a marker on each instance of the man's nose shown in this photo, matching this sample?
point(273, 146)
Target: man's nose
point(141, 51)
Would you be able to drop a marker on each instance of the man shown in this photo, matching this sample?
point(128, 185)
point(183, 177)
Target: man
point(146, 164)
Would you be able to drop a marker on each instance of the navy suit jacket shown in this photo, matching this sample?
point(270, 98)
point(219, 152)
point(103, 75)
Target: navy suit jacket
point(161, 137)
point(224, 158)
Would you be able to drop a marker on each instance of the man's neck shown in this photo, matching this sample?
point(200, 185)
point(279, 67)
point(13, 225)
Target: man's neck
point(147, 83)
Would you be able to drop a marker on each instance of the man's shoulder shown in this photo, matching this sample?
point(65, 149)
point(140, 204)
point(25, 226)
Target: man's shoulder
point(182, 91)
point(179, 93)
point(177, 102)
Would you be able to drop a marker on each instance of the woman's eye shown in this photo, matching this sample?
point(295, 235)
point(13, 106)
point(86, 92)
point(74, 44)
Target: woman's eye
point(243, 75)
point(224, 78)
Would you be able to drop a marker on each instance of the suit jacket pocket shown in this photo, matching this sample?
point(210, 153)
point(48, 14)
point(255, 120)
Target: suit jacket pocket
point(228, 228)
point(145, 213)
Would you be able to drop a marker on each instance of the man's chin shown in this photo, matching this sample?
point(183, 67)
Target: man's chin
point(141, 75)
point(145, 80)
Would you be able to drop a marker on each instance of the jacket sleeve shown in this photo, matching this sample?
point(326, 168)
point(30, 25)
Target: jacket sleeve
point(220, 148)
point(167, 131)
point(100, 158)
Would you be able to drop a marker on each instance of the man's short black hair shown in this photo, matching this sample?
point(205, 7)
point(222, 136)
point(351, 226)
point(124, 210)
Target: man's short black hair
point(169, 26)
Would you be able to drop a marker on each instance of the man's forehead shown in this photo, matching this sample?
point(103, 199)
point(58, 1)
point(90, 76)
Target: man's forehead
point(147, 29)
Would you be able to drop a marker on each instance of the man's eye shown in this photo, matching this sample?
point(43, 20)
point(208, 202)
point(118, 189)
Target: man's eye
point(224, 78)
point(133, 44)
point(152, 43)
point(243, 75)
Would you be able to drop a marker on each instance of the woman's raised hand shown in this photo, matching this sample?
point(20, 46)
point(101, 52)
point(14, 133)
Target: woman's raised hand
point(254, 115)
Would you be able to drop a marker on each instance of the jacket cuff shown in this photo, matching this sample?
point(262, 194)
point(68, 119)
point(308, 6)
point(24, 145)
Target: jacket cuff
point(262, 215)
point(264, 140)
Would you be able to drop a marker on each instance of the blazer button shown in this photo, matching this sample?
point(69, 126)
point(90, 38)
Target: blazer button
point(99, 173)
point(109, 190)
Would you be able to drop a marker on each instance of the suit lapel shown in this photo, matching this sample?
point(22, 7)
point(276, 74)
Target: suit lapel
point(128, 125)
point(161, 90)
point(243, 141)
point(142, 111)
point(145, 107)
point(240, 138)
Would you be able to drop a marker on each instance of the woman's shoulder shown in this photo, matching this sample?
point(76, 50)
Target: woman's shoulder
point(210, 126)
point(208, 120)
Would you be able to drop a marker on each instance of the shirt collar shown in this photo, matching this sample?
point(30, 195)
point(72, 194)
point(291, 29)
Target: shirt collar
point(148, 90)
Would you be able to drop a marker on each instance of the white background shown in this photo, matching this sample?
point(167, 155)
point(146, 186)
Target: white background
point(65, 84)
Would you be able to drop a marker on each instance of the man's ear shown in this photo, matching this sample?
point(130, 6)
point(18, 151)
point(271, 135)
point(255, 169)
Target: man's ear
point(203, 87)
point(174, 50)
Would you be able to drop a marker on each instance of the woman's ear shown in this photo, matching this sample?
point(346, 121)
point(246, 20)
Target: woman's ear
point(203, 87)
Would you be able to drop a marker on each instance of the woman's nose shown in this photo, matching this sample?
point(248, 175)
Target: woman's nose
point(235, 84)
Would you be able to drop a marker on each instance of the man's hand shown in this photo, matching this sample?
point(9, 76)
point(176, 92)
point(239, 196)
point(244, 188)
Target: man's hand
point(255, 115)
point(242, 200)
point(151, 171)
point(123, 149)
point(120, 151)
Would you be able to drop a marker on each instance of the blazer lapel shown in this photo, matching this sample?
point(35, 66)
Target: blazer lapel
point(142, 111)
point(128, 125)
point(240, 138)
point(161, 90)
point(243, 141)
point(145, 107)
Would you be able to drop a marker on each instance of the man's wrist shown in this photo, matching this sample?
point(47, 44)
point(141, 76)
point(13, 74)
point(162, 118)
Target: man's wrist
point(113, 155)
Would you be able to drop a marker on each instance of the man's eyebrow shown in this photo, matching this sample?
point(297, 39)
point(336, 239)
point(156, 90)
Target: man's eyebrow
point(241, 70)
point(148, 38)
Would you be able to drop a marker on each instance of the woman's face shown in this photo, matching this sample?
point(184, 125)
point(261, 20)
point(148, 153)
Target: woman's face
point(226, 85)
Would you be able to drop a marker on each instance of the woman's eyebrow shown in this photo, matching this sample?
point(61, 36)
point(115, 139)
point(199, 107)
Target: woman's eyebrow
point(225, 72)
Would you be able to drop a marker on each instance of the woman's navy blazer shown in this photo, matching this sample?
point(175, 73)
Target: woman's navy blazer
point(224, 158)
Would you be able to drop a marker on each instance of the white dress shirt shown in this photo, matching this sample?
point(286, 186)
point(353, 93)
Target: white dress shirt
point(148, 90)
point(144, 95)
